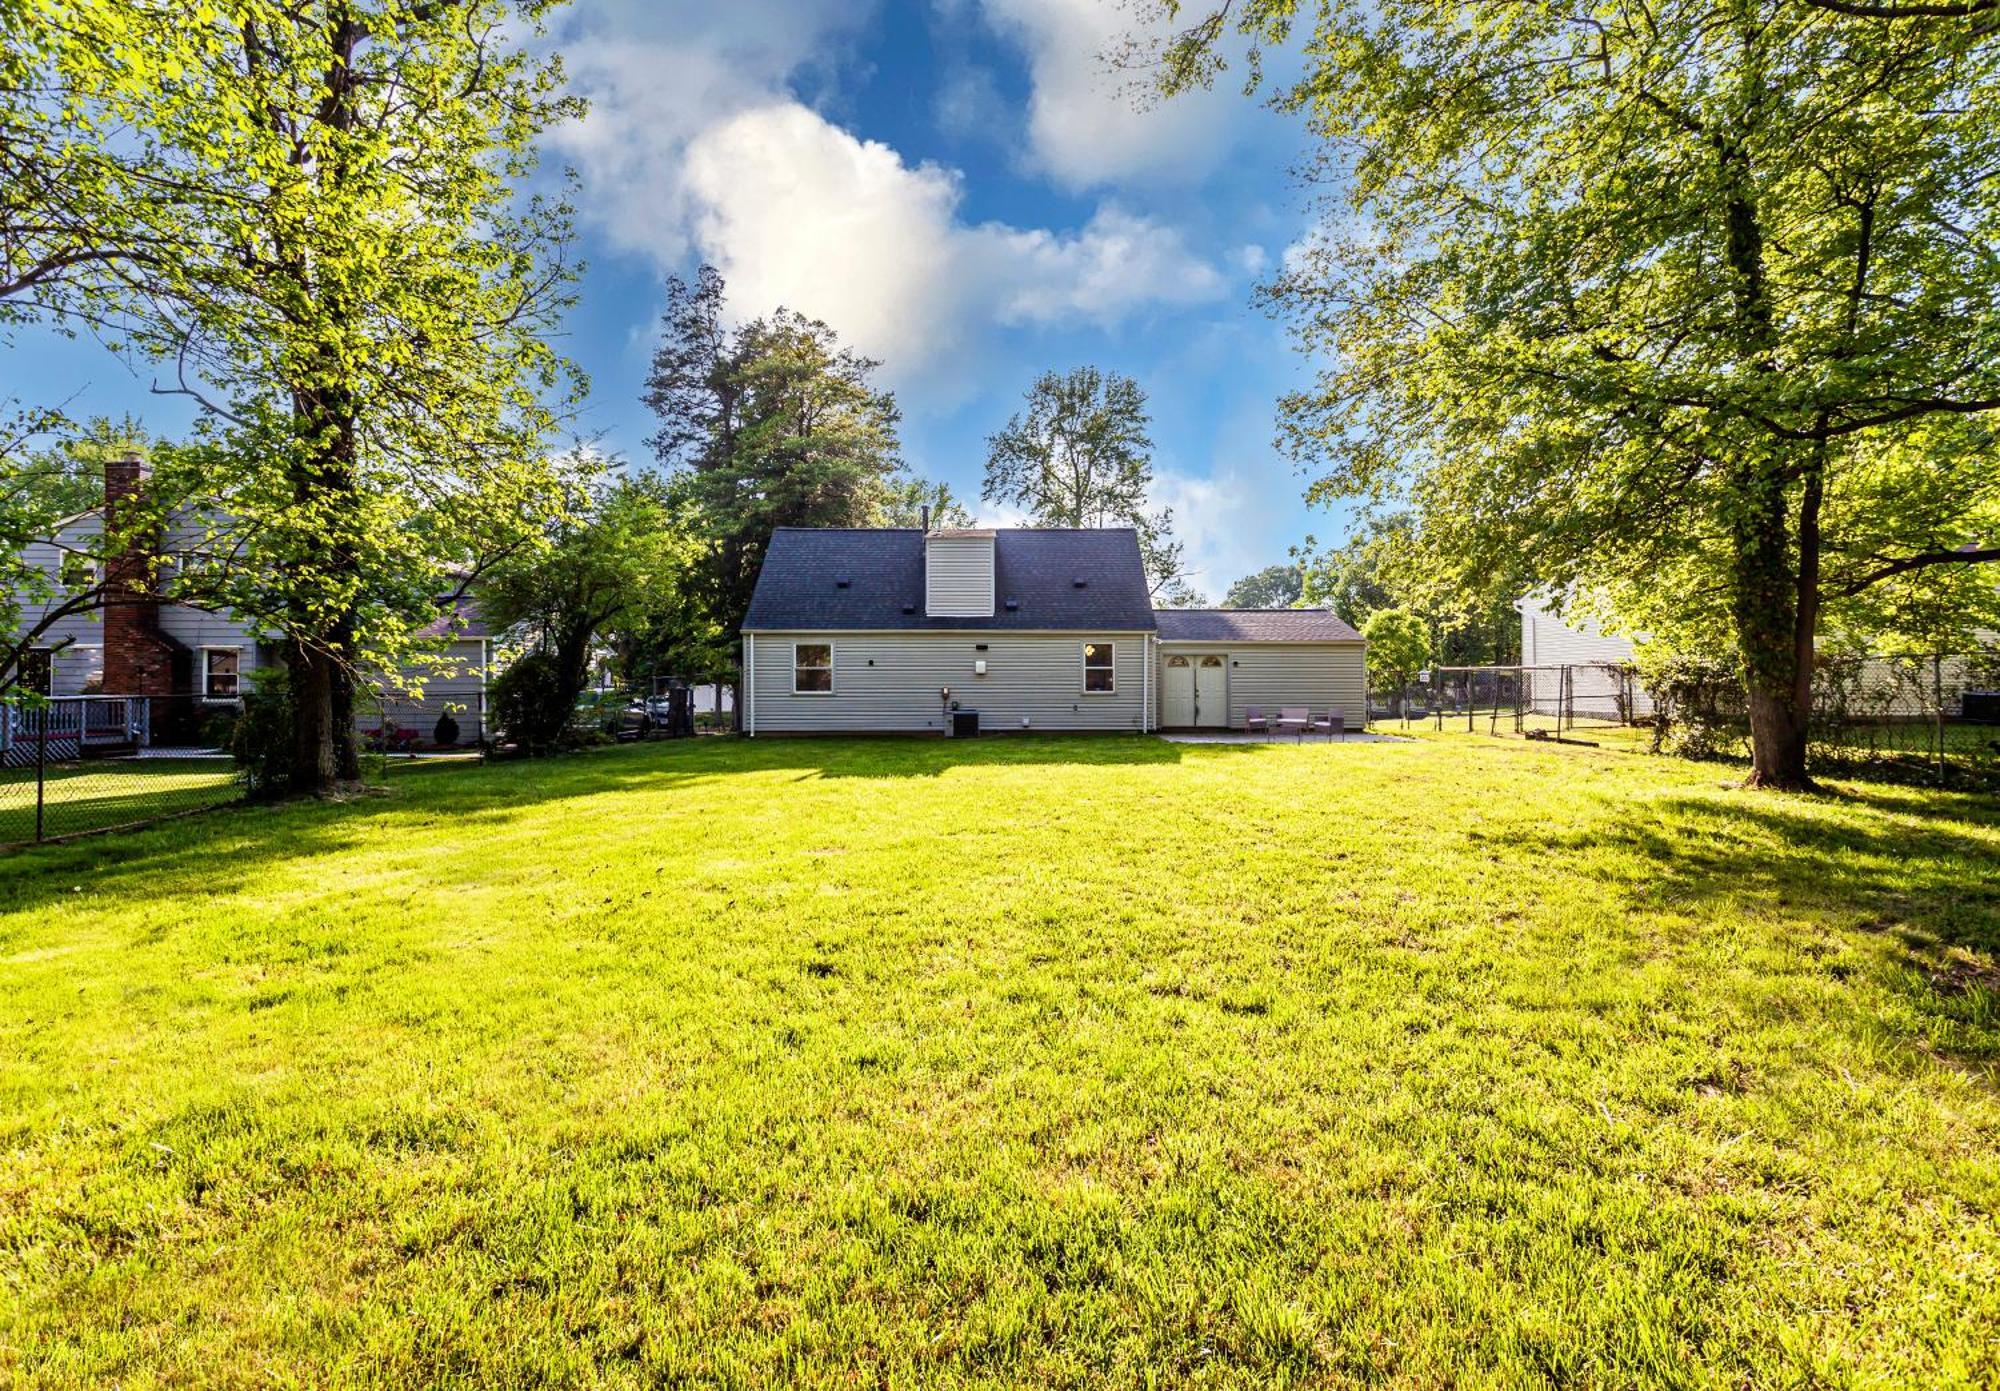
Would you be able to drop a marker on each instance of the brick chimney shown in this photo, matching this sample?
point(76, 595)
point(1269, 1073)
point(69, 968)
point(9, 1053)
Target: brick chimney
point(138, 657)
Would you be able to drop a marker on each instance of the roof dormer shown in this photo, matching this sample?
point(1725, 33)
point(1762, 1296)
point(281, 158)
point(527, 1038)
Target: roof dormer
point(958, 574)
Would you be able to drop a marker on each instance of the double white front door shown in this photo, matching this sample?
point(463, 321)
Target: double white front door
point(1194, 691)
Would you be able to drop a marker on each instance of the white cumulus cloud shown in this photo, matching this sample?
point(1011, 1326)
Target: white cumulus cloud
point(1091, 122)
point(796, 211)
point(696, 145)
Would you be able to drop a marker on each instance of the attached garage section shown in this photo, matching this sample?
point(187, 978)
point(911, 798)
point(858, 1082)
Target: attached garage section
point(1214, 664)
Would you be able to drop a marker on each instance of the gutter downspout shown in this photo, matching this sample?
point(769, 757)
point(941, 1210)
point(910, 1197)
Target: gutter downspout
point(1146, 689)
point(750, 685)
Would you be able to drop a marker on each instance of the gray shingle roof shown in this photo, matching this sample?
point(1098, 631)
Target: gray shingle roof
point(800, 584)
point(1253, 625)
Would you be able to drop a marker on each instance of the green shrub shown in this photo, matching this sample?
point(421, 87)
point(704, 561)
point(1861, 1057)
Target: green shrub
point(218, 728)
point(1698, 705)
point(531, 704)
point(261, 739)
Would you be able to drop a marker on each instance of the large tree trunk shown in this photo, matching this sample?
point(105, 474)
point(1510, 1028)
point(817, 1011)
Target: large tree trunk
point(346, 747)
point(1777, 676)
point(314, 764)
point(325, 756)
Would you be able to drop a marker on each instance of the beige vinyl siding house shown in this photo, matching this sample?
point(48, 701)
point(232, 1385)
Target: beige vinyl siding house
point(1218, 664)
point(891, 682)
point(887, 630)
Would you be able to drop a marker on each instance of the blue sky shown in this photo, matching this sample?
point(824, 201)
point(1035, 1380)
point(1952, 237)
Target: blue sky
point(962, 189)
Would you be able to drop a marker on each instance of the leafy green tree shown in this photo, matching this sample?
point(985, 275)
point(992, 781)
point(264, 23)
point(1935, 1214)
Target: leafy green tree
point(1273, 587)
point(907, 496)
point(1383, 564)
point(1399, 646)
point(1080, 455)
point(1694, 302)
point(613, 559)
point(81, 204)
point(765, 425)
point(345, 279)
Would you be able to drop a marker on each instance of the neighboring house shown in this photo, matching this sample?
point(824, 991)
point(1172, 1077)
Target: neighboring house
point(1596, 687)
point(1550, 643)
point(882, 630)
point(192, 660)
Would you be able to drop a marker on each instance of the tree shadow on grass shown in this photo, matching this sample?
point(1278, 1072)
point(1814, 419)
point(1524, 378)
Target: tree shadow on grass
point(1910, 870)
point(228, 848)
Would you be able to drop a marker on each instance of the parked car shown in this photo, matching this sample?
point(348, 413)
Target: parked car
point(617, 715)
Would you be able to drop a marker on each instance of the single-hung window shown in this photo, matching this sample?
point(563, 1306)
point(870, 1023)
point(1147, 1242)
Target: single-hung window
point(221, 672)
point(812, 668)
point(1099, 669)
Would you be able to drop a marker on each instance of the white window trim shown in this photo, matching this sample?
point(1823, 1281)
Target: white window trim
point(1083, 668)
point(206, 698)
point(828, 645)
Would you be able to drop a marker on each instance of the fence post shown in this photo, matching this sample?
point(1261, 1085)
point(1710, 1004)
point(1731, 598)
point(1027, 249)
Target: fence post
point(1937, 705)
point(41, 772)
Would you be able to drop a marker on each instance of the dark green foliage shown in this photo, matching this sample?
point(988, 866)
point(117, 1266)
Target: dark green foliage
point(532, 703)
point(771, 423)
point(1697, 705)
point(261, 740)
point(1273, 587)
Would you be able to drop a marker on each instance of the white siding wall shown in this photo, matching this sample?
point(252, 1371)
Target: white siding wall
point(1548, 641)
point(958, 576)
point(461, 682)
point(84, 632)
point(1318, 675)
point(888, 682)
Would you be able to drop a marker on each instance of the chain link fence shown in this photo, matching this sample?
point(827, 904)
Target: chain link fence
point(72, 765)
point(1935, 717)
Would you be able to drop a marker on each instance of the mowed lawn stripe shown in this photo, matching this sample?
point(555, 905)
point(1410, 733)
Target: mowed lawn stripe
point(1034, 1061)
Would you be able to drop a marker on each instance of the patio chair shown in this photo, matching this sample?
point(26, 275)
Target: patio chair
point(1334, 723)
point(1293, 718)
point(1255, 721)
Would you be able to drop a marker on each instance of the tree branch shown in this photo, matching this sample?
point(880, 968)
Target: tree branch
point(1922, 561)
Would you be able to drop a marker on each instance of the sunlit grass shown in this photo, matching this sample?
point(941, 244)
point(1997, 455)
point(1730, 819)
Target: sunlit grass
point(80, 797)
point(1024, 1062)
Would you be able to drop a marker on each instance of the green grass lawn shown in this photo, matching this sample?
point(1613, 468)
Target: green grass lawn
point(1452, 1063)
point(96, 794)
